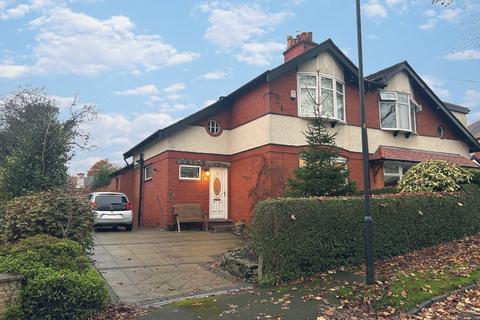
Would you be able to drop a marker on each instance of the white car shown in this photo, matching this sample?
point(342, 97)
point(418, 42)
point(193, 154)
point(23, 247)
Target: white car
point(113, 210)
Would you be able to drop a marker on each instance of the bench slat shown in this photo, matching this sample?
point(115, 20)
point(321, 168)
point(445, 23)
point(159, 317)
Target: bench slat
point(191, 212)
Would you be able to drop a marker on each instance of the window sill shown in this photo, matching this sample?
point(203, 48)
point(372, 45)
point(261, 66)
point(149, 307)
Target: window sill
point(398, 130)
point(305, 116)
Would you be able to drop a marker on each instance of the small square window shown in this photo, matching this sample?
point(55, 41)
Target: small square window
point(148, 172)
point(189, 172)
point(388, 96)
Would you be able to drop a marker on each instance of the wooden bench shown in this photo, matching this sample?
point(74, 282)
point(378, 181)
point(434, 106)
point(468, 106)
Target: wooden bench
point(189, 212)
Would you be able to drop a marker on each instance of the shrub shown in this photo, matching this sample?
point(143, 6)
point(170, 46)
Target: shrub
point(59, 213)
point(58, 283)
point(475, 176)
point(300, 237)
point(434, 175)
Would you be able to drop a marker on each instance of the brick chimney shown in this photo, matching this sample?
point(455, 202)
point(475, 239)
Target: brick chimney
point(298, 45)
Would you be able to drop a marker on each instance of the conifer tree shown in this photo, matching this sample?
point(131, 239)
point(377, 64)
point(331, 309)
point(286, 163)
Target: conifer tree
point(320, 174)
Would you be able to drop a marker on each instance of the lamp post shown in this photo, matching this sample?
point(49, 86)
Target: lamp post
point(367, 220)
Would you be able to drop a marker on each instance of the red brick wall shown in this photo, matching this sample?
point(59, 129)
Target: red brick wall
point(297, 50)
point(254, 175)
point(279, 97)
point(259, 174)
point(429, 118)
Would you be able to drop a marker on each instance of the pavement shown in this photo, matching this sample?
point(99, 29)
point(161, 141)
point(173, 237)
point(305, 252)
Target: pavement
point(150, 266)
point(299, 301)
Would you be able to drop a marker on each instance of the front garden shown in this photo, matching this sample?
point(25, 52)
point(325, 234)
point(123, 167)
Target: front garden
point(46, 238)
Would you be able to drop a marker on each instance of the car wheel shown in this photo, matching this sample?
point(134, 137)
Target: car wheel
point(128, 227)
point(115, 228)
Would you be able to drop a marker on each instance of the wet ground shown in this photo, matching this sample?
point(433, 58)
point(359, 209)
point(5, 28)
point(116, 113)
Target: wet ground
point(296, 302)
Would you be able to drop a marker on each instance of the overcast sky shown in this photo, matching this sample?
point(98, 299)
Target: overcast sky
point(147, 64)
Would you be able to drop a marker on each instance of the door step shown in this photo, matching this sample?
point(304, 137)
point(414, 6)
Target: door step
point(220, 225)
point(221, 228)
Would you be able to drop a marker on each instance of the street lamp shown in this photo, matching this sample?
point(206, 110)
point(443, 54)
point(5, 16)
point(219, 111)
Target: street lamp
point(367, 220)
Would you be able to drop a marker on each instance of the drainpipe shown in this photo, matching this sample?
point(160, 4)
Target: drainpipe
point(140, 191)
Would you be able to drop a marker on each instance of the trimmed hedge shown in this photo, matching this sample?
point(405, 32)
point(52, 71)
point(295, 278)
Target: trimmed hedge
point(59, 213)
point(58, 281)
point(300, 237)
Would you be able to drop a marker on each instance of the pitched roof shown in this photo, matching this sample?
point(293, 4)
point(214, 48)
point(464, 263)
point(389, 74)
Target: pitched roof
point(265, 77)
point(382, 77)
point(456, 107)
point(379, 78)
point(415, 155)
point(474, 128)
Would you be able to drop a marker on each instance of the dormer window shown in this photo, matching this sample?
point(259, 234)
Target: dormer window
point(397, 112)
point(324, 92)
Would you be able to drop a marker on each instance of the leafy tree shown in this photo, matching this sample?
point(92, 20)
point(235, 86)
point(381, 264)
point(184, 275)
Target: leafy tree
point(101, 171)
point(434, 175)
point(320, 173)
point(35, 143)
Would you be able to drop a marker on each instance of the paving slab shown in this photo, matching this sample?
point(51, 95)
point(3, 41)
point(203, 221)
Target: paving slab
point(148, 266)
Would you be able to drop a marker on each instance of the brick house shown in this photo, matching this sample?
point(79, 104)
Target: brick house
point(244, 147)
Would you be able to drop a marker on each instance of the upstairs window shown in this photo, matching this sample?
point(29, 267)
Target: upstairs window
point(322, 92)
point(396, 111)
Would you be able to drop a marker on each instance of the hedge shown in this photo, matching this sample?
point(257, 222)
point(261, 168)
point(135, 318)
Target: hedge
point(58, 281)
point(59, 213)
point(300, 237)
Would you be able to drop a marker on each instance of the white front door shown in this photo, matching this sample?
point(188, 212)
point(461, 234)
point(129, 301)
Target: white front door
point(218, 193)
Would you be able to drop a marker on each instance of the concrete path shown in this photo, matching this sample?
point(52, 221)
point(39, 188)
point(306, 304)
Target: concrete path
point(150, 266)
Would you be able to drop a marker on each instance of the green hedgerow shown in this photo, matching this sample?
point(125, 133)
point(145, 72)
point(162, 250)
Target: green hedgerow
point(434, 175)
point(304, 236)
point(58, 281)
point(59, 213)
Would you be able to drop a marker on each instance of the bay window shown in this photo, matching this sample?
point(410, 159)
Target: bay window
point(397, 112)
point(392, 172)
point(321, 93)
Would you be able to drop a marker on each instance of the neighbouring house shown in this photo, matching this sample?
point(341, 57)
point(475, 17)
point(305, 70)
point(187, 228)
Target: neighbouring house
point(244, 147)
point(80, 181)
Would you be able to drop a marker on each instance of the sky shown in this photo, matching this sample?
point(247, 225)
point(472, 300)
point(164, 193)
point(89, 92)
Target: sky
point(147, 63)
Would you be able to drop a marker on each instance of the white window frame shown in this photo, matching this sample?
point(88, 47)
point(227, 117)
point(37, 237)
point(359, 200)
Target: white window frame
point(318, 91)
point(217, 126)
point(400, 167)
point(150, 167)
point(412, 122)
point(189, 166)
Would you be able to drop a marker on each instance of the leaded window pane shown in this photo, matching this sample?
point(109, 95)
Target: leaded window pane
point(388, 95)
point(308, 81)
point(327, 102)
point(387, 114)
point(339, 87)
point(340, 107)
point(308, 96)
point(327, 83)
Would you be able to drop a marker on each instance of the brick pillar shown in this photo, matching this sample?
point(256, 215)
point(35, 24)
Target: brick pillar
point(10, 286)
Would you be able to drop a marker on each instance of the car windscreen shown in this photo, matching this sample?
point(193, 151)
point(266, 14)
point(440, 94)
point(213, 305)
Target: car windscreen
point(111, 202)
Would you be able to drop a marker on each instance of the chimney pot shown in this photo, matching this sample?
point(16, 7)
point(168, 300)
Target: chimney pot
point(298, 45)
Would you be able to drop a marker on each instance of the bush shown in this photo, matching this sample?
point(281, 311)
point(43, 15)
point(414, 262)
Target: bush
point(475, 176)
point(59, 283)
point(58, 213)
point(434, 175)
point(300, 237)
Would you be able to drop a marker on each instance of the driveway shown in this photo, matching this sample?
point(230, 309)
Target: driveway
point(150, 266)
